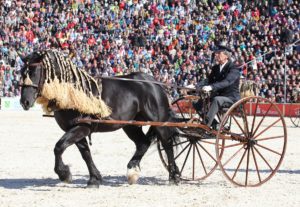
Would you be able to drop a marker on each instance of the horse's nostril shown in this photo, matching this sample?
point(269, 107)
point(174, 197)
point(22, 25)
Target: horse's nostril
point(26, 103)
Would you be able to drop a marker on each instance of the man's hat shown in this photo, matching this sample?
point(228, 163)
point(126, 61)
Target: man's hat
point(221, 48)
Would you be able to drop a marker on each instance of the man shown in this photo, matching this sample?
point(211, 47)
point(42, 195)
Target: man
point(223, 82)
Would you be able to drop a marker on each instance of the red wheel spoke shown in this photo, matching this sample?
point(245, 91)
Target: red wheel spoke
point(255, 162)
point(176, 144)
point(202, 163)
point(188, 154)
point(263, 158)
point(219, 117)
point(245, 119)
point(207, 142)
point(247, 167)
point(238, 125)
point(237, 168)
point(269, 138)
point(267, 128)
point(207, 152)
point(179, 143)
point(266, 148)
point(182, 151)
point(232, 145)
point(234, 155)
point(262, 119)
point(254, 117)
point(193, 162)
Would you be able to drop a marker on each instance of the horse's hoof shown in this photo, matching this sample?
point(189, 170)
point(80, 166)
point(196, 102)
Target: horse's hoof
point(92, 186)
point(64, 174)
point(68, 178)
point(175, 181)
point(94, 183)
point(133, 175)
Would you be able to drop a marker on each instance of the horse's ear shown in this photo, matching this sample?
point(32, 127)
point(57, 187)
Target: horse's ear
point(40, 54)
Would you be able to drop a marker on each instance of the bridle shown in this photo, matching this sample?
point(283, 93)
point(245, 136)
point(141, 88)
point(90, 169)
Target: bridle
point(39, 85)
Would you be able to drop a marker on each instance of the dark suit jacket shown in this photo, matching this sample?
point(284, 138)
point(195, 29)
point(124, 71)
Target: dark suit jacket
point(225, 83)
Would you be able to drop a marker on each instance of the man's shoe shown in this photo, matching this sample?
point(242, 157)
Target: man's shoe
point(215, 125)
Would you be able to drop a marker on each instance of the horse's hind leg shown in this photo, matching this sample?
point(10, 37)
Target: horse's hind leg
point(70, 137)
point(165, 134)
point(142, 143)
point(95, 176)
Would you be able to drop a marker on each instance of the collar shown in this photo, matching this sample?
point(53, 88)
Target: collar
point(222, 66)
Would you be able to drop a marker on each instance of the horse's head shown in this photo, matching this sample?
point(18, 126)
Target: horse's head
point(32, 79)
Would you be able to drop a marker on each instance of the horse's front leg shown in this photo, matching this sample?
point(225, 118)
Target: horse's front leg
point(72, 136)
point(95, 176)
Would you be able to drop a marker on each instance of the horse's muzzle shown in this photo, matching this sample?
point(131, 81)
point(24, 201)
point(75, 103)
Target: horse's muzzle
point(25, 104)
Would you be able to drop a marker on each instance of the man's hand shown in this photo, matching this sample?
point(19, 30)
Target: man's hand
point(207, 89)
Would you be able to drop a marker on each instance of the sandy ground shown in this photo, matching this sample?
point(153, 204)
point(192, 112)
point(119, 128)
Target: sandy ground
point(27, 177)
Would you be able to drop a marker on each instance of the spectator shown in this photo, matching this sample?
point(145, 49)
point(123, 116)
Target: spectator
point(118, 37)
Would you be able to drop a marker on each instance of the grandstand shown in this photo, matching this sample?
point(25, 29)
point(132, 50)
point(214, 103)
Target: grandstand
point(171, 39)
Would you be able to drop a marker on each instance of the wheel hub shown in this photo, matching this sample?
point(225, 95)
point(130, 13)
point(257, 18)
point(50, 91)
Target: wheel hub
point(251, 142)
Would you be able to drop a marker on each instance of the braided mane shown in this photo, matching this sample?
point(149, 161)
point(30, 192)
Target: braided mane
point(69, 87)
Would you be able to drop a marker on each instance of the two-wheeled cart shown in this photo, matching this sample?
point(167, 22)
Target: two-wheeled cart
point(248, 144)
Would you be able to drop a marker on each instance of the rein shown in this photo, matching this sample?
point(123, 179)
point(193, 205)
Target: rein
point(146, 81)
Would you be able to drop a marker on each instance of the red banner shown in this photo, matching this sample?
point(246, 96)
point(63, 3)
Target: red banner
point(262, 108)
point(285, 109)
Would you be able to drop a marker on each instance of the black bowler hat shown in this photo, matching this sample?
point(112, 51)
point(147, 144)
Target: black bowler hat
point(221, 48)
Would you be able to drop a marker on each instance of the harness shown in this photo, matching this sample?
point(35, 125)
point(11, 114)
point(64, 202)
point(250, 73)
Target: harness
point(28, 83)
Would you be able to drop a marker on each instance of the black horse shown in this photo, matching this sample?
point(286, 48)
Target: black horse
point(131, 100)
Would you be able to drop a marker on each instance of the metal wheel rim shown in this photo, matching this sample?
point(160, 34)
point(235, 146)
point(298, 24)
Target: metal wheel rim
point(196, 149)
point(219, 153)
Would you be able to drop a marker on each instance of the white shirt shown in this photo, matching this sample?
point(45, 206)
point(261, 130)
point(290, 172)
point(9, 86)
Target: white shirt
point(222, 66)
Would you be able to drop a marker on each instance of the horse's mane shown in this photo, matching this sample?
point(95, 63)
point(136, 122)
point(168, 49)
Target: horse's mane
point(69, 87)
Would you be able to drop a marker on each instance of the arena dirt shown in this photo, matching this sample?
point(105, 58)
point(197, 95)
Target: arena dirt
point(27, 177)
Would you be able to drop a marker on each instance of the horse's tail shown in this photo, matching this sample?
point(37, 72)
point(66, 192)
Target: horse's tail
point(173, 131)
point(152, 136)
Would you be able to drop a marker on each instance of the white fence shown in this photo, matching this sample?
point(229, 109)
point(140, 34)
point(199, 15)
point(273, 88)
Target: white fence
point(13, 104)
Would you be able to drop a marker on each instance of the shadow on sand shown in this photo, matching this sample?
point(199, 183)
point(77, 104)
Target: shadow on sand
point(78, 181)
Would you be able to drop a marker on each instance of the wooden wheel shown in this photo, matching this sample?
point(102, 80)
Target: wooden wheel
point(250, 150)
point(296, 119)
point(194, 155)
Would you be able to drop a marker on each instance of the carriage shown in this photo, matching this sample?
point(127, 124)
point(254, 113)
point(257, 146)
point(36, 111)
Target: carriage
point(248, 144)
point(243, 145)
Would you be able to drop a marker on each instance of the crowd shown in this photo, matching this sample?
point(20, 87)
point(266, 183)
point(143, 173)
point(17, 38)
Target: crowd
point(172, 40)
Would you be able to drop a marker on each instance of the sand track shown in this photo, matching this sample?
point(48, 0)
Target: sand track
point(27, 177)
